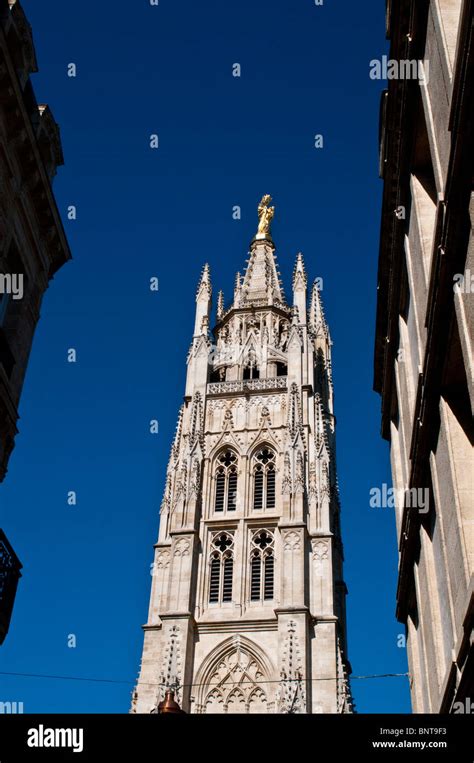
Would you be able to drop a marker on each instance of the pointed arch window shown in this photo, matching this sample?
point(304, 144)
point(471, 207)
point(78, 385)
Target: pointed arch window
point(225, 498)
point(264, 494)
point(262, 566)
point(251, 369)
point(221, 568)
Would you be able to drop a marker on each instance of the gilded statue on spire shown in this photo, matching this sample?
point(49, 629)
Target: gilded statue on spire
point(265, 217)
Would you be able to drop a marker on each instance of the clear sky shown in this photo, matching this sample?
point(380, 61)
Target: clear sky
point(223, 141)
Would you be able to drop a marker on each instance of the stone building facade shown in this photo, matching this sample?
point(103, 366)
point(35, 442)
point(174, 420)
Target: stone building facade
point(33, 244)
point(424, 339)
point(247, 606)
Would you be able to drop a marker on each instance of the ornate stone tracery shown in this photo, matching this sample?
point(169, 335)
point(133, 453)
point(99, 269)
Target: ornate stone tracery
point(291, 693)
point(236, 680)
point(171, 673)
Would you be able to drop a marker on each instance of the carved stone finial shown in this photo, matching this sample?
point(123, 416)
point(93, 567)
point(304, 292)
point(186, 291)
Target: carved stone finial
point(220, 305)
point(228, 419)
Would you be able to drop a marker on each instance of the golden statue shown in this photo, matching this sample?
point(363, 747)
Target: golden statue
point(265, 216)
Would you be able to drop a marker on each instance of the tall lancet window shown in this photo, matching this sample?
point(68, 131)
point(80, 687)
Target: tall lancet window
point(226, 482)
point(262, 566)
point(221, 568)
point(264, 480)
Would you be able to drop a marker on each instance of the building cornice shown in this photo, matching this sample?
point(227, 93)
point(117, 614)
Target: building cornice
point(28, 151)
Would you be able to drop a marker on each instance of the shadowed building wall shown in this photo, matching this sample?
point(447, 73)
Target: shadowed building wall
point(33, 245)
point(424, 338)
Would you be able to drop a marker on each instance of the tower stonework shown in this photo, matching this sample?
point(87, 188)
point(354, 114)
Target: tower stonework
point(247, 606)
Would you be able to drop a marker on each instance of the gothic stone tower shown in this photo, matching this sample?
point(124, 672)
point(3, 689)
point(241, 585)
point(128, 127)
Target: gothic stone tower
point(247, 610)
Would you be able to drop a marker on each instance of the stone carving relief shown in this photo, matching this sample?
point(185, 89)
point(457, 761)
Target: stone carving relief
point(194, 486)
point(181, 486)
point(299, 476)
point(294, 416)
point(320, 550)
point(196, 428)
point(237, 684)
point(166, 502)
point(286, 486)
point(291, 541)
point(163, 559)
point(312, 489)
point(291, 692)
point(171, 673)
point(182, 547)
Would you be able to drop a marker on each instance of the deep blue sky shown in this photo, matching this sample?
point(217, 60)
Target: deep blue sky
point(223, 142)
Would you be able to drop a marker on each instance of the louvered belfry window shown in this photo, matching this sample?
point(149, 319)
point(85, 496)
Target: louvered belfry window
point(220, 491)
point(215, 579)
point(264, 490)
point(258, 490)
point(227, 582)
point(221, 568)
point(262, 566)
point(255, 577)
point(268, 583)
point(226, 482)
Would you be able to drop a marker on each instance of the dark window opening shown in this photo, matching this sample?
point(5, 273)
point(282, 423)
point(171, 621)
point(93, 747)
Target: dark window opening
point(258, 491)
point(255, 578)
point(227, 586)
point(268, 581)
point(221, 568)
point(271, 489)
point(232, 491)
point(220, 491)
point(226, 482)
point(215, 580)
point(251, 372)
point(264, 496)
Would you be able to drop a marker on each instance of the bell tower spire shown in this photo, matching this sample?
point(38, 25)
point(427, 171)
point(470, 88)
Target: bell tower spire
point(261, 283)
point(247, 578)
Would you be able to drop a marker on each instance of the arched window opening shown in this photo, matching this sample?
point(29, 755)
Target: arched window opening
point(262, 566)
point(264, 493)
point(282, 369)
point(226, 482)
point(251, 369)
point(221, 568)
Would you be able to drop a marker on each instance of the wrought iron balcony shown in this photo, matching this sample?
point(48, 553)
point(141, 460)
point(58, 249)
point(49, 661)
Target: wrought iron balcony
point(10, 574)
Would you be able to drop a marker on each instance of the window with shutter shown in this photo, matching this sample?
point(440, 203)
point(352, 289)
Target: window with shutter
point(264, 480)
point(221, 568)
point(262, 566)
point(226, 477)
